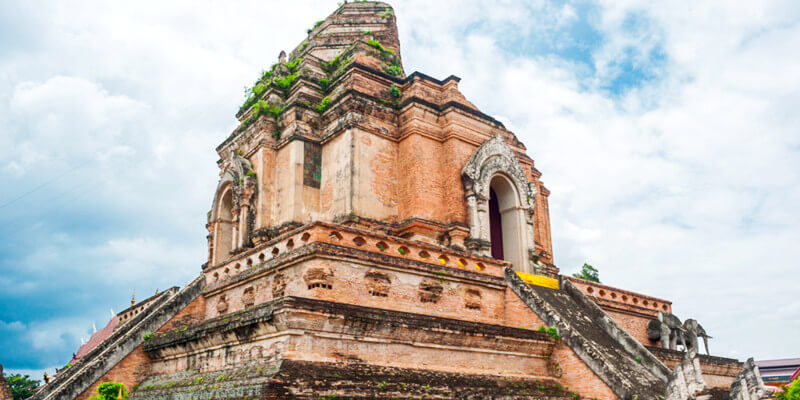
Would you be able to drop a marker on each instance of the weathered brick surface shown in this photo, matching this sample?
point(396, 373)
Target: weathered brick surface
point(130, 370)
point(291, 379)
point(578, 377)
point(190, 315)
point(5, 390)
point(717, 371)
point(355, 279)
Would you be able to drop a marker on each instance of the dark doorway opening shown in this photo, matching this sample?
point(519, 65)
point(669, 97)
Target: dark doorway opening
point(495, 226)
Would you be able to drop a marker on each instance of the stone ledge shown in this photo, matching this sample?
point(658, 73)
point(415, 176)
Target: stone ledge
point(290, 379)
point(661, 352)
point(246, 320)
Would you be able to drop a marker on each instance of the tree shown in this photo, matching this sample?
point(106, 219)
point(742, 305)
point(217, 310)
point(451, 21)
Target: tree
point(791, 392)
point(589, 273)
point(21, 386)
point(110, 391)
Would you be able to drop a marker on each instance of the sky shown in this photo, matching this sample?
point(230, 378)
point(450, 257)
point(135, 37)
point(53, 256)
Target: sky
point(668, 133)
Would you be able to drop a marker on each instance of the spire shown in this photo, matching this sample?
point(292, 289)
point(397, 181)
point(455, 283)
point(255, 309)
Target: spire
point(119, 395)
point(133, 297)
point(46, 378)
point(112, 313)
point(94, 328)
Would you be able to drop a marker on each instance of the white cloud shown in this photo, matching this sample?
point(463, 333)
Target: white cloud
point(686, 187)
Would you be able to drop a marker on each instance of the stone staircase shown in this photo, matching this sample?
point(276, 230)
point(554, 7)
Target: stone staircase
point(627, 367)
point(71, 383)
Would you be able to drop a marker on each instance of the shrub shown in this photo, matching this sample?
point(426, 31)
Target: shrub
point(251, 174)
point(589, 273)
point(292, 65)
point(393, 69)
point(323, 83)
point(395, 91)
point(376, 44)
point(110, 391)
point(286, 81)
point(791, 392)
point(323, 104)
point(553, 333)
point(147, 336)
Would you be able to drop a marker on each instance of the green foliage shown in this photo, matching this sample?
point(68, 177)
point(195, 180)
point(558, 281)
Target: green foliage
point(67, 366)
point(148, 336)
point(553, 333)
point(367, 32)
point(259, 88)
point(589, 273)
point(542, 329)
point(251, 174)
point(303, 46)
point(292, 65)
point(376, 44)
point(386, 14)
point(393, 69)
point(286, 81)
point(21, 385)
point(323, 104)
point(316, 24)
point(395, 91)
point(110, 391)
point(337, 63)
point(791, 392)
point(323, 83)
point(638, 359)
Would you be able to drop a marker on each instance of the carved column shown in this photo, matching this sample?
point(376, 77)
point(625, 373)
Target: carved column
point(242, 226)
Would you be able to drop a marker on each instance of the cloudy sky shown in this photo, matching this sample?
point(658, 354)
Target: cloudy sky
point(668, 134)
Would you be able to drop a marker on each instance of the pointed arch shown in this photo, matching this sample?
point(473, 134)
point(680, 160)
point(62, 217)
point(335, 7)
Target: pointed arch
point(500, 203)
point(232, 214)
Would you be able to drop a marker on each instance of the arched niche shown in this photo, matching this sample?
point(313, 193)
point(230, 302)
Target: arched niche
point(224, 225)
point(494, 177)
point(232, 212)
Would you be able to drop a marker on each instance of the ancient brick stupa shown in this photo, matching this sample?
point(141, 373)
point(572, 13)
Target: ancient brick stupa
point(375, 235)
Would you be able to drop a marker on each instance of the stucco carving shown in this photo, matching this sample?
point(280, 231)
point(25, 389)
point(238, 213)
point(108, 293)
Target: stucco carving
point(494, 157)
point(491, 157)
point(238, 177)
point(748, 384)
point(687, 381)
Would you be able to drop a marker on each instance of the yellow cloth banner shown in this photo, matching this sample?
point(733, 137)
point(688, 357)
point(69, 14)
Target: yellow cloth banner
point(538, 280)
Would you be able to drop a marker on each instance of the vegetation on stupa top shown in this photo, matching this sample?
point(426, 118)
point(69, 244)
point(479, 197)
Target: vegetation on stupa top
point(267, 77)
point(260, 108)
point(391, 66)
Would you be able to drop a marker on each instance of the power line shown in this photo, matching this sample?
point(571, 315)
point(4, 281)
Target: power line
point(42, 185)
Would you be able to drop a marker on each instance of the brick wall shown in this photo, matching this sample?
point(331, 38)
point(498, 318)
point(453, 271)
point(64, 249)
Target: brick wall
point(191, 314)
point(578, 377)
point(5, 390)
point(130, 370)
